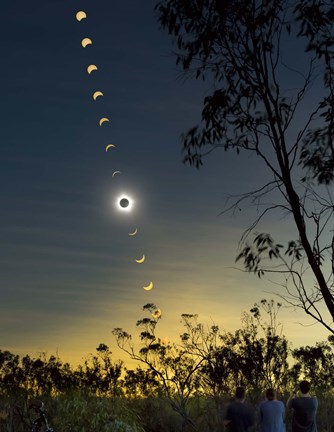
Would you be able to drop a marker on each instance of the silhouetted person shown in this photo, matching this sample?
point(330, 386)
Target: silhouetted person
point(272, 413)
point(304, 409)
point(239, 415)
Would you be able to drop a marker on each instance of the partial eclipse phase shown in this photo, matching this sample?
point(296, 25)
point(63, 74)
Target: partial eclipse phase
point(103, 120)
point(85, 42)
point(148, 287)
point(81, 15)
point(140, 260)
point(157, 314)
point(109, 146)
point(91, 68)
point(97, 94)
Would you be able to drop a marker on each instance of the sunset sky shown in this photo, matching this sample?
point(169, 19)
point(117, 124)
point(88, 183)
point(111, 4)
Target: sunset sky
point(67, 264)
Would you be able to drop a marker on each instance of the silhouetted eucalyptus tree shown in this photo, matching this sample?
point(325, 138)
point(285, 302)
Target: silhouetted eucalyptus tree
point(242, 47)
point(256, 355)
point(173, 368)
point(262, 349)
point(100, 375)
point(139, 383)
point(316, 363)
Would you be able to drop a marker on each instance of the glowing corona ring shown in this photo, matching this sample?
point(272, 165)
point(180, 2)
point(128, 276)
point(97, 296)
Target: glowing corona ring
point(124, 203)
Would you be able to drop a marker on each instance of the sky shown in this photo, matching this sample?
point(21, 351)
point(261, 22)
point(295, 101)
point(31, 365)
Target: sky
point(68, 274)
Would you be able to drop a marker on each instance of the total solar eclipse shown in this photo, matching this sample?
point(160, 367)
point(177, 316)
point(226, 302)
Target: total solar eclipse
point(124, 202)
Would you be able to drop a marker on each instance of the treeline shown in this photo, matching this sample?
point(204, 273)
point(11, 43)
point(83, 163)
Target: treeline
point(175, 387)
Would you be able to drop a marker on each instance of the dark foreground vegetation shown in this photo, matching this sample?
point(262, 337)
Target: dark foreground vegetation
point(180, 386)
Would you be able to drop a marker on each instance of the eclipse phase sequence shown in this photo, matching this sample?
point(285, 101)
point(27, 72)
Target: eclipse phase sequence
point(123, 202)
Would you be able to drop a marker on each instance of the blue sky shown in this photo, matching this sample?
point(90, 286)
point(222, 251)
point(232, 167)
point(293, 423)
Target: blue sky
point(67, 270)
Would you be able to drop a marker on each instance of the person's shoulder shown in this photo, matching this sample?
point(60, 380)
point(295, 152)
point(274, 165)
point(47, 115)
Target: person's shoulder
point(315, 400)
point(276, 403)
point(281, 404)
point(230, 405)
point(262, 405)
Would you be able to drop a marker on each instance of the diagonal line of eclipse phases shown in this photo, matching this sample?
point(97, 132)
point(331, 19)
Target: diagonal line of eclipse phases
point(125, 203)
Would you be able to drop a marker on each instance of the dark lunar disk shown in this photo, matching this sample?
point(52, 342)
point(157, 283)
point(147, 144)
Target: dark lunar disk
point(124, 202)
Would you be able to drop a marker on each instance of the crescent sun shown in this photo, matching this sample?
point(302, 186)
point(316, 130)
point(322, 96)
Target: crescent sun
point(157, 314)
point(97, 94)
point(133, 233)
point(86, 41)
point(115, 173)
point(103, 120)
point(148, 287)
point(109, 146)
point(91, 68)
point(140, 260)
point(80, 15)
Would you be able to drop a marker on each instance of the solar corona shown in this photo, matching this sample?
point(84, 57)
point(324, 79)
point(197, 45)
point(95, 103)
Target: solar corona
point(124, 203)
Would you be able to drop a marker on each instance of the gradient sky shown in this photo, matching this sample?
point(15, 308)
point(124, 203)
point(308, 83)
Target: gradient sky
point(67, 270)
